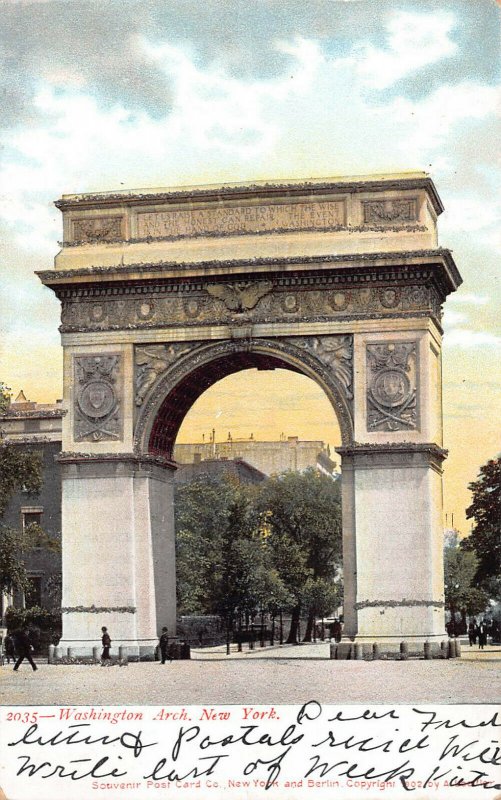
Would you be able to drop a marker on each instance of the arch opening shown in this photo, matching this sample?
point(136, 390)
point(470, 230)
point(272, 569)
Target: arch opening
point(176, 393)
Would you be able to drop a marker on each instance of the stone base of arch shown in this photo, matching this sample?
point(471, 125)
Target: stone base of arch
point(118, 552)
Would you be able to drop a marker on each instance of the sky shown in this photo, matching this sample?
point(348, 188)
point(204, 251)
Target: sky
point(111, 95)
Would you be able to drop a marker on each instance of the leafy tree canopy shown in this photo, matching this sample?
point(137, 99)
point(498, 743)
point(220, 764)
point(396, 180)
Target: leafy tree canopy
point(485, 509)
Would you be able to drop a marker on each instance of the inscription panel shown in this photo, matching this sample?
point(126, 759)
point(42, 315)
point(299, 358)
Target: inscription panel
point(242, 219)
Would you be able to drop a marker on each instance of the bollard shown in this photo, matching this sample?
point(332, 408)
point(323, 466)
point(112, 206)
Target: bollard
point(404, 651)
point(443, 650)
point(239, 645)
point(96, 653)
point(58, 653)
point(427, 650)
point(457, 648)
point(358, 655)
point(375, 651)
point(50, 659)
point(122, 654)
point(333, 650)
point(71, 652)
point(451, 648)
point(251, 641)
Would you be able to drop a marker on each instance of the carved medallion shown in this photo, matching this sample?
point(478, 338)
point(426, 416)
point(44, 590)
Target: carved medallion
point(389, 297)
point(338, 301)
point(97, 412)
point(392, 386)
point(290, 303)
point(145, 309)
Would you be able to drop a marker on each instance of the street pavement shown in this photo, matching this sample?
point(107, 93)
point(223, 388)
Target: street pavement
point(277, 675)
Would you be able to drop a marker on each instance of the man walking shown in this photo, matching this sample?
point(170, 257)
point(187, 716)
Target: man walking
point(106, 642)
point(23, 648)
point(164, 644)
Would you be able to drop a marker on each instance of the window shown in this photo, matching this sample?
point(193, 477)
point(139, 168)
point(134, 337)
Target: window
point(31, 516)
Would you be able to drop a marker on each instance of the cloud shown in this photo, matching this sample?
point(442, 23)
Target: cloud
point(469, 339)
point(468, 299)
point(414, 41)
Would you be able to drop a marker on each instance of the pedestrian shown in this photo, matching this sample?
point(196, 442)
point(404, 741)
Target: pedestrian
point(336, 630)
point(482, 634)
point(23, 648)
point(8, 647)
point(164, 644)
point(106, 642)
point(472, 632)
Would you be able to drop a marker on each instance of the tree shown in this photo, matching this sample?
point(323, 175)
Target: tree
point(218, 547)
point(303, 514)
point(485, 539)
point(19, 469)
point(461, 595)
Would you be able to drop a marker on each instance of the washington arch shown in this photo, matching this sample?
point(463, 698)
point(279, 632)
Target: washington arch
point(165, 292)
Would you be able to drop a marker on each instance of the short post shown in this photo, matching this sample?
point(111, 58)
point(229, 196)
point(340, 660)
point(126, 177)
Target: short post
point(333, 650)
point(58, 653)
point(457, 648)
point(443, 650)
point(50, 659)
point(239, 643)
point(375, 651)
point(404, 651)
point(251, 639)
point(71, 652)
point(95, 654)
point(358, 652)
point(122, 653)
point(451, 648)
point(427, 650)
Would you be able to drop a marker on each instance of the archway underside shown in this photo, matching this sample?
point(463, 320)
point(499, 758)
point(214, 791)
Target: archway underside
point(181, 398)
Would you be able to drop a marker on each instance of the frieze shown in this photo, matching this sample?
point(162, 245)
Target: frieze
point(391, 211)
point(259, 301)
point(97, 229)
point(392, 402)
point(97, 407)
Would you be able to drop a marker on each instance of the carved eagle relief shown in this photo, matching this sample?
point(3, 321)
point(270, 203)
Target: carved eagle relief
point(240, 296)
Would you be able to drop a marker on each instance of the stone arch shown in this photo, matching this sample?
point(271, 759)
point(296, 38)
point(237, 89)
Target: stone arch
point(176, 390)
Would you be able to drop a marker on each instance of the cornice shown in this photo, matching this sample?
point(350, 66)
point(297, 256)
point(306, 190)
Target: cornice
point(266, 190)
point(34, 414)
point(69, 457)
point(130, 272)
point(367, 448)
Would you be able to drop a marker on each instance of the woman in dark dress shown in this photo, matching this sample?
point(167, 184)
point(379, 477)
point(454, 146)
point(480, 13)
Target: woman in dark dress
point(106, 642)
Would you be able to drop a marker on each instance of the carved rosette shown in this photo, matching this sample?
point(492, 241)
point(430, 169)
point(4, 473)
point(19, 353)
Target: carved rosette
point(392, 386)
point(97, 409)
